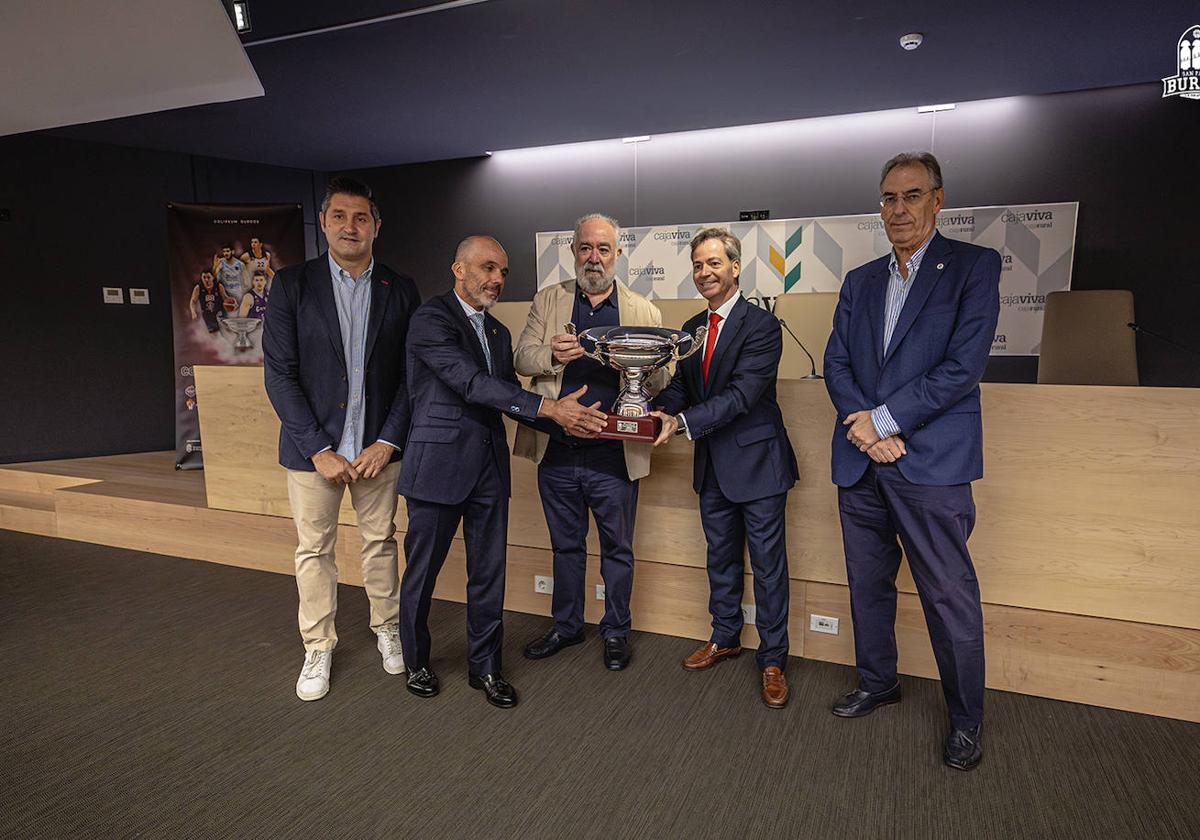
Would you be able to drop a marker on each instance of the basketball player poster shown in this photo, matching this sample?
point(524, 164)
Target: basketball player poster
point(223, 258)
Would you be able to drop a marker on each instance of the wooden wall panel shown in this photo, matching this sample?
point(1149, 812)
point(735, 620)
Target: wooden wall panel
point(1103, 662)
point(1086, 507)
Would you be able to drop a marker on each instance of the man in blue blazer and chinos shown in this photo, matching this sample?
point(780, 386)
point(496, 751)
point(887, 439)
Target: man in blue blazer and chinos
point(333, 365)
point(724, 400)
point(460, 380)
point(910, 342)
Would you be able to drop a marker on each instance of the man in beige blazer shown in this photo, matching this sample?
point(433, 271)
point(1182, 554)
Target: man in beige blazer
point(575, 474)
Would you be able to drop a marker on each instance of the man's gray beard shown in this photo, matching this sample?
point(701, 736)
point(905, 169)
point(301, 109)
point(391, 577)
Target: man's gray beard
point(479, 300)
point(594, 287)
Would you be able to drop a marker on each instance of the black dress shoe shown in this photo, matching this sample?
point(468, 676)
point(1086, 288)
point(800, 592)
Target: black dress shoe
point(616, 653)
point(858, 702)
point(422, 682)
point(550, 644)
point(964, 748)
point(499, 692)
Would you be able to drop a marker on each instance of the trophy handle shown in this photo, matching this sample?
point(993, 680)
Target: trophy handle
point(697, 343)
point(570, 329)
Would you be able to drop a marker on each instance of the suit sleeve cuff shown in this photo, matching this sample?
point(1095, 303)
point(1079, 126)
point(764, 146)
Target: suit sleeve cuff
point(885, 426)
point(389, 443)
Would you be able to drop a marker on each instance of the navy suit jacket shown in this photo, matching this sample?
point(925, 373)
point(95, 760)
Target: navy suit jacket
point(929, 377)
point(304, 364)
point(456, 405)
point(735, 419)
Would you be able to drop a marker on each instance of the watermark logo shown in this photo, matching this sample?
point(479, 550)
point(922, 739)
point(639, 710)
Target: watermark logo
point(1186, 81)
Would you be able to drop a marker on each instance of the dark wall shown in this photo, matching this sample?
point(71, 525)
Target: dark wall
point(1125, 154)
point(81, 377)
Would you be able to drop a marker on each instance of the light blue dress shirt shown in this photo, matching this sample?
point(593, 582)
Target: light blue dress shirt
point(897, 293)
point(353, 300)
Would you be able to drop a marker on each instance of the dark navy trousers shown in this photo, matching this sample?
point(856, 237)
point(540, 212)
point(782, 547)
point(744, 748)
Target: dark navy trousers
point(572, 481)
point(729, 527)
point(933, 524)
point(431, 526)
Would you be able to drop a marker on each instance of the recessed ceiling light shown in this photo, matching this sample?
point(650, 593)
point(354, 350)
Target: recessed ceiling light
point(241, 15)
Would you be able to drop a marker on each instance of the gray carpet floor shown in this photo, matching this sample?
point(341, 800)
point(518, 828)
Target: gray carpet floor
point(149, 696)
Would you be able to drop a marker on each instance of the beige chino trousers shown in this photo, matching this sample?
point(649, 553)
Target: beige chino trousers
point(315, 504)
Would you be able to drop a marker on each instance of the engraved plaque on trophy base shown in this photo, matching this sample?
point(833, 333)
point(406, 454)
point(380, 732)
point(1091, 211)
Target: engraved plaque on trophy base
point(637, 429)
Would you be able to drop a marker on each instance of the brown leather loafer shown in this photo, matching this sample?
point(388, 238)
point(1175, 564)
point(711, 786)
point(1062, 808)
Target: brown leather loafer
point(775, 688)
point(708, 655)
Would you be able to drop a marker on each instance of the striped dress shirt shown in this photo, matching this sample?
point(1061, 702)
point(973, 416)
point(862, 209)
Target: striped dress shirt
point(897, 293)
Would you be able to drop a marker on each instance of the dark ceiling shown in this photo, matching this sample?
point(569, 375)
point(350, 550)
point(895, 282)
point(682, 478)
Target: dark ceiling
point(514, 73)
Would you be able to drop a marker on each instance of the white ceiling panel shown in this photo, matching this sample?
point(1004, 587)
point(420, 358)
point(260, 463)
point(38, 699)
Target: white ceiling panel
point(65, 62)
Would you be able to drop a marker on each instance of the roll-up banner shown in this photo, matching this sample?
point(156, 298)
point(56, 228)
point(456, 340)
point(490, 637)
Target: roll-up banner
point(223, 258)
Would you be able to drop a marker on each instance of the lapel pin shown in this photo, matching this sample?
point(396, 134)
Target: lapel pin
point(941, 266)
point(386, 282)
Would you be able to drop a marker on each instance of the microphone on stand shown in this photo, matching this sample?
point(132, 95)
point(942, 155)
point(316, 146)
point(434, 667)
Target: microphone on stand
point(813, 374)
point(1153, 334)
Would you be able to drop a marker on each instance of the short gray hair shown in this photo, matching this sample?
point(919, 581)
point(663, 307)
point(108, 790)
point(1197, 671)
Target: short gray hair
point(468, 244)
point(597, 217)
point(733, 245)
point(923, 158)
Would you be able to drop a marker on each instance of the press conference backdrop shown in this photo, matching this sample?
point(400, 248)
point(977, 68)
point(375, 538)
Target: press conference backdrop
point(1036, 244)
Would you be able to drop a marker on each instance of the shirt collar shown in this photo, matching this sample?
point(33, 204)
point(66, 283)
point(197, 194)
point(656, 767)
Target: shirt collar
point(581, 296)
point(914, 262)
point(340, 273)
point(470, 310)
point(725, 308)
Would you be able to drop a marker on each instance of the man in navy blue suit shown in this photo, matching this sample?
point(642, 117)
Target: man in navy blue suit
point(460, 380)
point(911, 338)
point(333, 364)
point(724, 400)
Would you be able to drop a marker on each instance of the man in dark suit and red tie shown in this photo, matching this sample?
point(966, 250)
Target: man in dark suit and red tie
point(460, 380)
point(910, 342)
point(724, 400)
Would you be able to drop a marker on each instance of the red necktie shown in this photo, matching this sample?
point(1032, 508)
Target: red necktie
point(710, 341)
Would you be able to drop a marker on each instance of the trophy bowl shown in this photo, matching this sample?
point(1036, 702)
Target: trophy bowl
point(238, 331)
point(635, 352)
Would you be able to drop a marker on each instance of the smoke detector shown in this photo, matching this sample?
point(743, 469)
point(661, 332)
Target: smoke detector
point(912, 40)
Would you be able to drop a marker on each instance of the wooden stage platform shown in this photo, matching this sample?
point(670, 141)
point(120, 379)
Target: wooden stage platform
point(141, 502)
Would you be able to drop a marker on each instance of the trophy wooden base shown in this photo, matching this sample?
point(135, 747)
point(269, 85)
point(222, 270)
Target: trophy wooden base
point(637, 429)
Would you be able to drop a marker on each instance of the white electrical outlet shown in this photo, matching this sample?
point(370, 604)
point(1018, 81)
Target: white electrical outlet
point(748, 613)
point(599, 591)
point(543, 584)
point(823, 624)
point(113, 294)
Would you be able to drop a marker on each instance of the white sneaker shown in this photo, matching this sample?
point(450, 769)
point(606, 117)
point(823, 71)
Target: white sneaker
point(314, 676)
point(389, 649)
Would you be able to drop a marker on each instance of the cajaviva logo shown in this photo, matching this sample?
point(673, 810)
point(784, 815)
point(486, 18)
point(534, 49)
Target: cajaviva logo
point(1186, 81)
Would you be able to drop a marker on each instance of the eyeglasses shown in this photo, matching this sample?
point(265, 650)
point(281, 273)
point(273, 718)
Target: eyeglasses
point(888, 200)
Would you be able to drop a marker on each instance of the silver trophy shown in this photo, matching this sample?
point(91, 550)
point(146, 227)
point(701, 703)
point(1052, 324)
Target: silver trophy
point(636, 352)
point(238, 331)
